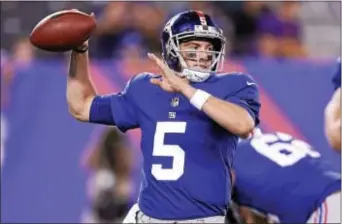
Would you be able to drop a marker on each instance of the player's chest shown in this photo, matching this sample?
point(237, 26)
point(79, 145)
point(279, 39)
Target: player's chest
point(158, 105)
point(169, 107)
point(172, 113)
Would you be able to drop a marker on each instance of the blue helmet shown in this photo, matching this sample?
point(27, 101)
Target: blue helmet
point(187, 26)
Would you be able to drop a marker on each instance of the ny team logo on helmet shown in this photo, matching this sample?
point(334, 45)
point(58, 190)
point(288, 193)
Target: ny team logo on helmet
point(187, 26)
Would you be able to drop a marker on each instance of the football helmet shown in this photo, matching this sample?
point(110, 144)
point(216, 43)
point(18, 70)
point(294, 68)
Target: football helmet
point(187, 26)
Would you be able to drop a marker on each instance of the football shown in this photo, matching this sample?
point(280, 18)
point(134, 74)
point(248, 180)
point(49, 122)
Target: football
point(63, 30)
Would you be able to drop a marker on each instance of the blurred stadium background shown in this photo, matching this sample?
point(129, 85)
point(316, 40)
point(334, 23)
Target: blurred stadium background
point(290, 48)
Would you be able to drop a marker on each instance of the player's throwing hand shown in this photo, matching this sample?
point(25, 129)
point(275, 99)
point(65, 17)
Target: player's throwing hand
point(169, 81)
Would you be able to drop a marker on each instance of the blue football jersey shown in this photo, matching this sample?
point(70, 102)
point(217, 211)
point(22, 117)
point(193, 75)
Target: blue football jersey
point(186, 155)
point(282, 176)
point(337, 76)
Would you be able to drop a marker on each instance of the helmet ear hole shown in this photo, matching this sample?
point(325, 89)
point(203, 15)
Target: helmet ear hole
point(217, 44)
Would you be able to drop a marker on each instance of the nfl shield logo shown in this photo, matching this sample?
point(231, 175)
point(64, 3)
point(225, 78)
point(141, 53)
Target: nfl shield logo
point(175, 101)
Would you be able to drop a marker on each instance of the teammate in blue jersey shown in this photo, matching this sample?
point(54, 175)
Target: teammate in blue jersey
point(190, 117)
point(332, 113)
point(284, 179)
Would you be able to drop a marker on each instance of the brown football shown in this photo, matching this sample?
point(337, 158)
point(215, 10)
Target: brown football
point(63, 30)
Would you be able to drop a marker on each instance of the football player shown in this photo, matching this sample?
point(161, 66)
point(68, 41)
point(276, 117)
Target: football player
point(332, 115)
point(285, 180)
point(190, 117)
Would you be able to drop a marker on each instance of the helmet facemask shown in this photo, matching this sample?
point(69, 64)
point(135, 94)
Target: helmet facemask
point(198, 73)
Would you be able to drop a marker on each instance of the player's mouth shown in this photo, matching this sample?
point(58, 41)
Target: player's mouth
point(195, 64)
point(201, 66)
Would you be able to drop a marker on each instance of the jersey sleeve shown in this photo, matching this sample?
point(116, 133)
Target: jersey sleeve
point(247, 97)
point(116, 109)
point(337, 76)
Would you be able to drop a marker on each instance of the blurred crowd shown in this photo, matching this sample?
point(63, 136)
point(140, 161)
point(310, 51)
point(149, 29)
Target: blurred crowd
point(127, 30)
point(252, 28)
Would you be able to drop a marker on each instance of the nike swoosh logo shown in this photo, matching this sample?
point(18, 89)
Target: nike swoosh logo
point(250, 83)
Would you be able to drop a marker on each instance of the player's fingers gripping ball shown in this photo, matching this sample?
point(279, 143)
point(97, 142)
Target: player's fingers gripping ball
point(85, 45)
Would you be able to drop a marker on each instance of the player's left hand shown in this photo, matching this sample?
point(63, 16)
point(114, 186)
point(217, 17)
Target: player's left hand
point(169, 81)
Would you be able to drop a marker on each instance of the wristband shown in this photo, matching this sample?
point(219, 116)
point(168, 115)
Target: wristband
point(199, 99)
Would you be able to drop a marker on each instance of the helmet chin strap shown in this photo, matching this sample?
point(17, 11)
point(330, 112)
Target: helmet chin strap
point(195, 76)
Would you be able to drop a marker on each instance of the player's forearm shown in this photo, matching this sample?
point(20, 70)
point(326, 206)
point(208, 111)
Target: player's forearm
point(80, 90)
point(233, 118)
point(230, 116)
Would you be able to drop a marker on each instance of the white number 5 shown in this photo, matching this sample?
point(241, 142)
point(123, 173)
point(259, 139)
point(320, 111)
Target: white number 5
point(175, 151)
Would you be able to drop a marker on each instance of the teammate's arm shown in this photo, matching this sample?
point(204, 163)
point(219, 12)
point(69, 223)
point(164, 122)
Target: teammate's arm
point(332, 112)
point(332, 117)
point(251, 217)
